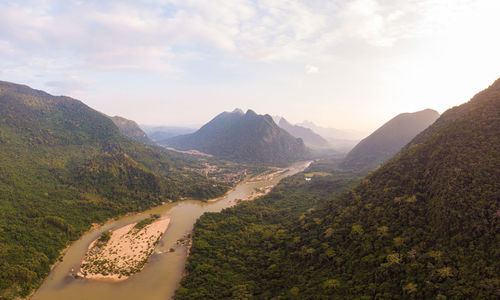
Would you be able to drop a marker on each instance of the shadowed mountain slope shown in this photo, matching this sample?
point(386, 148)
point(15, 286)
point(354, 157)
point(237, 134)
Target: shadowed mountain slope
point(386, 141)
point(310, 138)
point(130, 129)
point(243, 137)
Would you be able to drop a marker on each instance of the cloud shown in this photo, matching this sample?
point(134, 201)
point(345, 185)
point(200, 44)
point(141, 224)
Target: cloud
point(156, 35)
point(310, 69)
point(133, 34)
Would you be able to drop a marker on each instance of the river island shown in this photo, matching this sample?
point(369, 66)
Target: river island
point(120, 253)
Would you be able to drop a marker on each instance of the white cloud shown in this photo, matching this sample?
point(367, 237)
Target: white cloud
point(86, 31)
point(310, 69)
point(152, 35)
point(6, 49)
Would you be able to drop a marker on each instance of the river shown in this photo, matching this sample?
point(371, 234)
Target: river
point(161, 276)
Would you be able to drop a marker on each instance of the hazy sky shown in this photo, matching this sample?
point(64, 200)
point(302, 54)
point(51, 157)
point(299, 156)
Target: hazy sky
point(344, 64)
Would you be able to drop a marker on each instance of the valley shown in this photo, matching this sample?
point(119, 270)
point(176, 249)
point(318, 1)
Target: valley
point(424, 225)
point(179, 223)
point(163, 272)
point(249, 150)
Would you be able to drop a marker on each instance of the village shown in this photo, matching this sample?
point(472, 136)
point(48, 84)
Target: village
point(224, 175)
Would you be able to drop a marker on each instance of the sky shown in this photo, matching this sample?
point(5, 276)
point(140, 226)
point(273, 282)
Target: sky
point(343, 64)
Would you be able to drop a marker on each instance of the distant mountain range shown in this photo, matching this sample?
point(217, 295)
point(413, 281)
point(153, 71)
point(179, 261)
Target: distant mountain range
point(386, 141)
point(247, 137)
point(160, 133)
point(341, 140)
point(333, 133)
point(131, 129)
point(310, 138)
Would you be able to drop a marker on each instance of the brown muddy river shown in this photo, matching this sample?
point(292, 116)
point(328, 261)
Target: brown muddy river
point(161, 276)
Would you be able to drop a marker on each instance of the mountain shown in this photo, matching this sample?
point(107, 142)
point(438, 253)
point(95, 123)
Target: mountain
point(310, 138)
point(340, 139)
point(247, 137)
point(386, 141)
point(333, 133)
point(161, 133)
point(131, 129)
point(276, 119)
point(423, 226)
point(65, 166)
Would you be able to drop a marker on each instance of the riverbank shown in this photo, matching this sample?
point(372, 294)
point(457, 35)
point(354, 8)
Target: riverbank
point(163, 271)
point(268, 175)
point(118, 254)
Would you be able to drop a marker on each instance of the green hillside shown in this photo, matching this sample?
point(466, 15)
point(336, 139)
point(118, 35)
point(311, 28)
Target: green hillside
point(64, 166)
point(424, 226)
point(130, 129)
point(239, 253)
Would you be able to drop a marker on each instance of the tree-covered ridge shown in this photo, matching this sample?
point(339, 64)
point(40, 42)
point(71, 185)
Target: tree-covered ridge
point(64, 166)
point(388, 140)
point(131, 129)
point(423, 226)
point(239, 253)
point(426, 224)
point(243, 137)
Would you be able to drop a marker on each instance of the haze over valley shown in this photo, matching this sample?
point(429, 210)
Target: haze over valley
point(364, 165)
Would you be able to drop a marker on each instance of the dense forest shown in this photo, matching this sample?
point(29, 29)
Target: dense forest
point(130, 129)
point(424, 225)
point(64, 166)
point(239, 252)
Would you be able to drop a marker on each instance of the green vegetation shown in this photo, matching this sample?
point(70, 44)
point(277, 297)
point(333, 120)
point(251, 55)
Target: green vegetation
point(130, 129)
point(143, 223)
point(423, 226)
point(105, 236)
point(249, 138)
point(241, 250)
point(312, 174)
point(103, 239)
point(63, 167)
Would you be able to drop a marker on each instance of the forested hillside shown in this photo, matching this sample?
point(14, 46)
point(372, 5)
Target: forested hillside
point(64, 166)
point(239, 253)
point(131, 129)
point(424, 226)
